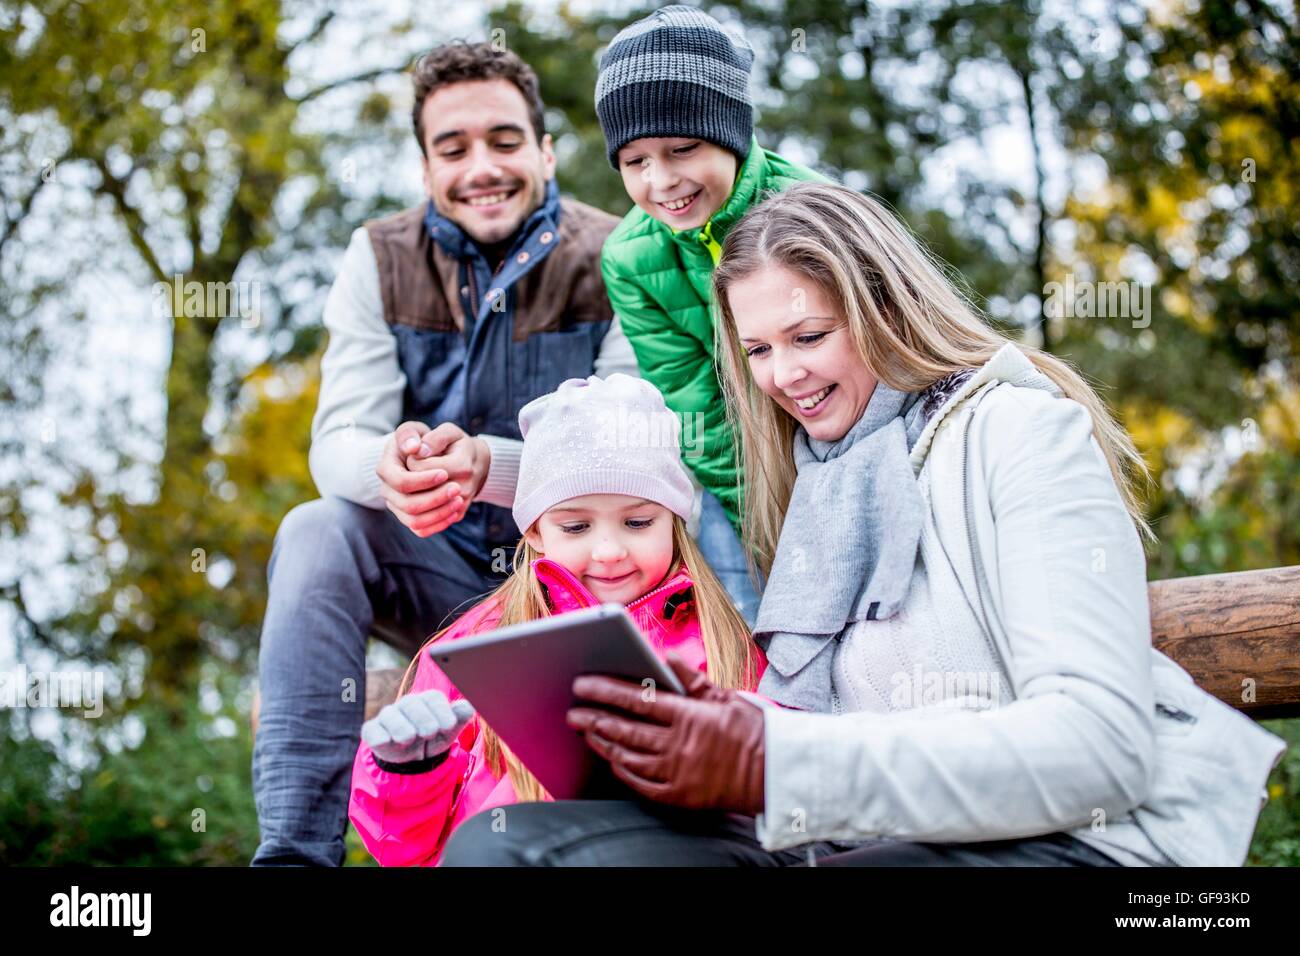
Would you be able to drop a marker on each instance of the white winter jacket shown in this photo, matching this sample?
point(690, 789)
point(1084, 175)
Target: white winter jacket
point(1105, 736)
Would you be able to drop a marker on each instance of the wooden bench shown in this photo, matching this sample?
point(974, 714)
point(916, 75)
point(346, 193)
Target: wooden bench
point(1238, 635)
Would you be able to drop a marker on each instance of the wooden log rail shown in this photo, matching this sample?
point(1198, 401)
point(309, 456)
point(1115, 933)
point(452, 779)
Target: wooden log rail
point(1238, 635)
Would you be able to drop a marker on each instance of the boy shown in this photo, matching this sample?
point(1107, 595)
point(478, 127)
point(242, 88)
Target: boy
point(672, 97)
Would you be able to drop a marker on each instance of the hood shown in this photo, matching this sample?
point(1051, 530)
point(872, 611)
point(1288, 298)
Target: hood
point(1008, 365)
point(654, 609)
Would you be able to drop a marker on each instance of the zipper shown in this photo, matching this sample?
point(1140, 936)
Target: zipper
point(649, 594)
point(1172, 857)
point(1173, 713)
point(581, 590)
point(460, 796)
point(464, 784)
point(835, 694)
point(471, 314)
point(710, 244)
point(471, 321)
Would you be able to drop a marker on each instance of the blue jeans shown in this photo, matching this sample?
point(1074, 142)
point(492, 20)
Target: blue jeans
point(337, 571)
point(726, 556)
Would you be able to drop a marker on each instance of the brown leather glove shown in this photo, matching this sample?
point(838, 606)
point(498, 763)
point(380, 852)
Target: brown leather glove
point(703, 750)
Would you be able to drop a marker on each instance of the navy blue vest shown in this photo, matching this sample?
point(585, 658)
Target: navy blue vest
point(523, 334)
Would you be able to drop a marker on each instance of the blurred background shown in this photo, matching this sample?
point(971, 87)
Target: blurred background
point(145, 462)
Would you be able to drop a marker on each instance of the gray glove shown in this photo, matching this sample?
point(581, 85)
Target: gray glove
point(416, 727)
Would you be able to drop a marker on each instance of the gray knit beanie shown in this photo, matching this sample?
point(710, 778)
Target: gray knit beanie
point(594, 436)
point(676, 73)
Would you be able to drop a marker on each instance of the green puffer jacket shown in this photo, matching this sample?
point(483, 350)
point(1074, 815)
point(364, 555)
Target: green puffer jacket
point(658, 281)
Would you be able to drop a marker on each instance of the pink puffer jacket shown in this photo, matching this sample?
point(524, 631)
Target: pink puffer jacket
point(406, 819)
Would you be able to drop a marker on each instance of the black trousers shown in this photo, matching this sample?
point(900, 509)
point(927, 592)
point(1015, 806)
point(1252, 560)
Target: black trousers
point(640, 833)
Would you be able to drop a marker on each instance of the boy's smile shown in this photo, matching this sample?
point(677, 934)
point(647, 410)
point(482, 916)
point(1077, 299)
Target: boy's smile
point(677, 180)
point(681, 207)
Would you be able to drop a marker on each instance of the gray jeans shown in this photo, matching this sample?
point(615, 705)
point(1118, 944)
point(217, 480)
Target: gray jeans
point(640, 833)
point(339, 572)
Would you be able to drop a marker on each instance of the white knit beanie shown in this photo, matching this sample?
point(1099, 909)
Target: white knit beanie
point(594, 436)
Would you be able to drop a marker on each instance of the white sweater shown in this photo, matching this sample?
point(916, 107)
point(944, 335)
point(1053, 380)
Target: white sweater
point(362, 384)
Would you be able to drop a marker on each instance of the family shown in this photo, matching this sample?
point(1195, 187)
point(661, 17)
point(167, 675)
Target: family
point(900, 573)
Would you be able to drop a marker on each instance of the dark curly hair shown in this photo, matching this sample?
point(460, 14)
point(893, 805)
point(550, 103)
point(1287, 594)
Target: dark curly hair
point(460, 61)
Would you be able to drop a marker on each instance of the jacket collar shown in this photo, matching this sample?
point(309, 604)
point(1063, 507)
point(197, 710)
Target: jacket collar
point(567, 593)
point(750, 181)
point(1008, 364)
point(456, 243)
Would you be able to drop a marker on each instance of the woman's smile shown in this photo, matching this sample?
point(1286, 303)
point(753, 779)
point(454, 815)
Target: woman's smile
point(813, 405)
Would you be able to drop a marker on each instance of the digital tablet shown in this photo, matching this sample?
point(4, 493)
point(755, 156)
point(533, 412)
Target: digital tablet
point(520, 680)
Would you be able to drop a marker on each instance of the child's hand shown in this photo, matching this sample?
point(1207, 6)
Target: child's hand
point(416, 727)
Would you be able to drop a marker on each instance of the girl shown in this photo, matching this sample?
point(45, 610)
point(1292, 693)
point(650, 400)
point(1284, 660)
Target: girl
point(602, 500)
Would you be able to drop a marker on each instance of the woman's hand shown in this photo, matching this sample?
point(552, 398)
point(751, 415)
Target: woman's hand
point(701, 750)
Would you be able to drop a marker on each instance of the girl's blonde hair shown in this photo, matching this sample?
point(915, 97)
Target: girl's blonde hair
point(909, 323)
point(728, 648)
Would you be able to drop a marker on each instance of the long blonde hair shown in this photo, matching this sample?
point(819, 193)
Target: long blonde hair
point(909, 323)
point(729, 651)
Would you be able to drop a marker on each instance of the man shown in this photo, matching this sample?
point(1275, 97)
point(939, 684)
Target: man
point(446, 318)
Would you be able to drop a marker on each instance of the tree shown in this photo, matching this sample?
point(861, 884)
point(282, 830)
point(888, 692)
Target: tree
point(182, 121)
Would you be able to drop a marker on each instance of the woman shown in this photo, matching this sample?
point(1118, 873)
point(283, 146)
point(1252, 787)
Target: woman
point(955, 616)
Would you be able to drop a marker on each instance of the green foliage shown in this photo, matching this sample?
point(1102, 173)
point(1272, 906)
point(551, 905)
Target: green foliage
point(181, 797)
point(1277, 836)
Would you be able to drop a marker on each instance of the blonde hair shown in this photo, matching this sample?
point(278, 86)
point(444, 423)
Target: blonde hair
point(728, 648)
point(909, 322)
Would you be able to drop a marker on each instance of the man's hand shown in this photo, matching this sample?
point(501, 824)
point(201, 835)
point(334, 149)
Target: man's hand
point(703, 750)
point(465, 458)
point(429, 477)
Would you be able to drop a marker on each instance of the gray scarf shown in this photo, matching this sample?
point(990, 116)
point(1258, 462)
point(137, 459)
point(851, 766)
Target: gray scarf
point(847, 548)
